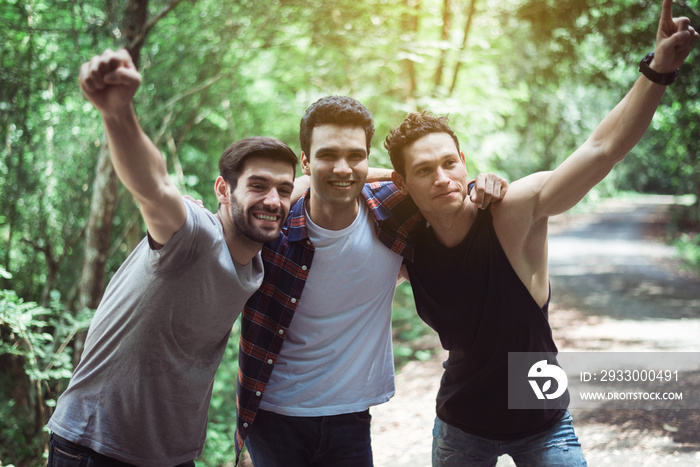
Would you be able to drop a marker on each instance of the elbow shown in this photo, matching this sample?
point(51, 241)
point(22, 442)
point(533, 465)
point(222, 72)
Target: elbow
point(158, 193)
point(610, 151)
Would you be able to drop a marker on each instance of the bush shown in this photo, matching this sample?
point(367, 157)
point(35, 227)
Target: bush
point(35, 363)
point(689, 251)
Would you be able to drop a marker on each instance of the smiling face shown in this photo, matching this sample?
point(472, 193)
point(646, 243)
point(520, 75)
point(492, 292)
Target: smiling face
point(337, 167)
point(436, 177)
point(260, 203)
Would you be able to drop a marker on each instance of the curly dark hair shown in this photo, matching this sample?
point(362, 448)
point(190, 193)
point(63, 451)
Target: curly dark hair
point(415, 126)
point(337, 110)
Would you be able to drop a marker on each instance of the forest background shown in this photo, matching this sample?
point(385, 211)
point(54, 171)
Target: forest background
point(523, 81)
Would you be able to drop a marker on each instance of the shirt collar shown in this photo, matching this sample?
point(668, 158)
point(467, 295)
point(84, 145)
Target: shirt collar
point(296, 222)
point(375, 204)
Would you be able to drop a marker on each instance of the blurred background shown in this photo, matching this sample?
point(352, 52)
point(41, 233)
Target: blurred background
point(524, 83)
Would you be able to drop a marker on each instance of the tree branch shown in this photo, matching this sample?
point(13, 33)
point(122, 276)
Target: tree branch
point(140, 38)
point(467, 28)
point(685, 5)
point(161, 14)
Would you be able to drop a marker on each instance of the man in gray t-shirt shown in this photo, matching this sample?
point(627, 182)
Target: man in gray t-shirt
point(141, 392)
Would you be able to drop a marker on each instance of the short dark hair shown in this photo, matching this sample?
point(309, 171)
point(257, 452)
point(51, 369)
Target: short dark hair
point(336, 110)
point(234, 157)
point(415, 126)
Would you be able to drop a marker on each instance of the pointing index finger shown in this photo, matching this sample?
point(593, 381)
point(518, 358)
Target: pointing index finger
point(667, 10)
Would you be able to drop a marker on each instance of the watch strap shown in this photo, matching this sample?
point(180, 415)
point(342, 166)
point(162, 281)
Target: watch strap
point(663, 79)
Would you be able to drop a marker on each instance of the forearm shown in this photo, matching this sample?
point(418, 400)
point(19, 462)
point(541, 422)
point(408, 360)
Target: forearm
point(301, 184)
point(625, 125)
point(141, 168)
point(378, 174)
point(109, 81)
point(614, 137)
point(136, 159)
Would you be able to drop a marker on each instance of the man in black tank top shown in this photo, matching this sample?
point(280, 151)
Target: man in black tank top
point(500, 254)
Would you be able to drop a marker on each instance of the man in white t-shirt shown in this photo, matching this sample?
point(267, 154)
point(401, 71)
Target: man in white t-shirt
point(333, 270)
point(141, 392)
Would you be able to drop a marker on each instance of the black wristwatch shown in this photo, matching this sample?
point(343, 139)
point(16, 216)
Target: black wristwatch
point(663, 79)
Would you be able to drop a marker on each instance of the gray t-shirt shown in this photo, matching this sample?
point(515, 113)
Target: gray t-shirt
point(142, 389)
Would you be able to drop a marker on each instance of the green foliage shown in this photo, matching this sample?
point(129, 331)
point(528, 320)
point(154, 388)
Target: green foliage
point(684, 231)
point(666, 160)
point(413, 339)
point(532, 82)
point(25, 325)
point(35, 358)
point(48, 142)
point(689, 250)
point(221, 441)
point(534, 79)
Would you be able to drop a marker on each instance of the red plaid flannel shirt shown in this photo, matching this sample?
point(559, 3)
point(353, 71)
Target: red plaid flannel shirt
point(269, 312)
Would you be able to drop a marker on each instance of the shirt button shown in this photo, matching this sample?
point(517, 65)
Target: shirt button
point(304, 268)
point(258, 393)
point(269, 361)
point(294, 300)
point(281, 332)
point(245, 424)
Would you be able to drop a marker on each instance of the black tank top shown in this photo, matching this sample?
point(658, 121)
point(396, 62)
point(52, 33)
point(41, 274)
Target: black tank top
point(480, 308)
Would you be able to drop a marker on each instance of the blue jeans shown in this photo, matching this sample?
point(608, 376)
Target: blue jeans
point(276, 440)
point(63, 453)
point(556, 447)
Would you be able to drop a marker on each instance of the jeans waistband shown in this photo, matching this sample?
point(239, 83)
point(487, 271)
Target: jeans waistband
point(104, 460)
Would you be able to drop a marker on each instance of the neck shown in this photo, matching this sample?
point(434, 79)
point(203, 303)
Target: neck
point(332, 217)
point(451, 228)
point(241, 248)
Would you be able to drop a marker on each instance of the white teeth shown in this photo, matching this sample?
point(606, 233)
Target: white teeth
point(342, 184)
point(266, 217)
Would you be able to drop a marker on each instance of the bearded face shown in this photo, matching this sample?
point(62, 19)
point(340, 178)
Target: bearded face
point(259, 223)
point(260, 202)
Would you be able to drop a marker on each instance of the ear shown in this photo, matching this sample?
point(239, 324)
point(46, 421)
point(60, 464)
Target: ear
point(222, 190)
point(461, 156)
point(305, 165)
point(399, 182)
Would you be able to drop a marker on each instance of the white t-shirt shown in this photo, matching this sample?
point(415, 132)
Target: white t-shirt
point(337, 356)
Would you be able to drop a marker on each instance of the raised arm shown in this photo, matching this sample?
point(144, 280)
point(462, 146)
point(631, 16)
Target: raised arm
point(621, 129)
point(109, 81)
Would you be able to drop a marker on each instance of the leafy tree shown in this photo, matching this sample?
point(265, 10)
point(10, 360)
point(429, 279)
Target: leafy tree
point(524, 83)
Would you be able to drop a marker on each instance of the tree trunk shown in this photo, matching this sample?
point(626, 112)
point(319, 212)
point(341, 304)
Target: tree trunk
point(467, 28)
point(135, 21)
point(105, 190)
point(444, 36)
point(105, 187)
point(98, 235)
point(410, 25)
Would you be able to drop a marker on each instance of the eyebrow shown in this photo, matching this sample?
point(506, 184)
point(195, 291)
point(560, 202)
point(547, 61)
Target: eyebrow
point(429, 163)
point(262, 178)
point(420, 165)
point(338, 148)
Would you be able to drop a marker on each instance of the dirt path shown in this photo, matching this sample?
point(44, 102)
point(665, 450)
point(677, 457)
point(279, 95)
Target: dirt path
point(614, 289)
